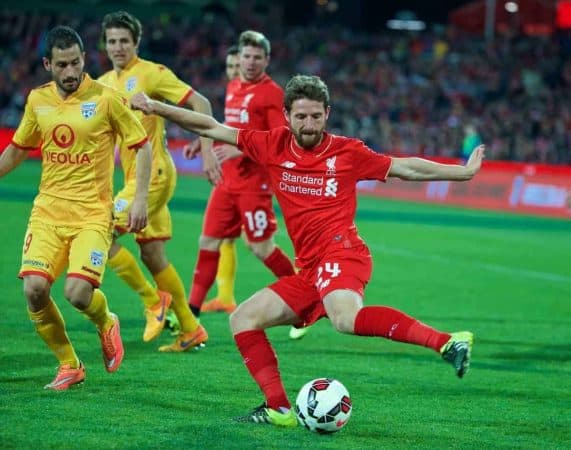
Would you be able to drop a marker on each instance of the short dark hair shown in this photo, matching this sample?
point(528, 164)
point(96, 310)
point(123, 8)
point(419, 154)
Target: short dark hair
point(233, 50)
point(254, 39)
point(62, 37)
point(306, 86)
point(122, 19)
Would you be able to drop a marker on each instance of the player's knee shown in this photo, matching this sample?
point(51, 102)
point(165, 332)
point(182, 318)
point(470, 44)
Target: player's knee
point(154, 258)
point(37, 293)
point(238, 320)
point(209, 243)
point(342, 321)
point(262, 249)
point(245, 318)
point(78, 293)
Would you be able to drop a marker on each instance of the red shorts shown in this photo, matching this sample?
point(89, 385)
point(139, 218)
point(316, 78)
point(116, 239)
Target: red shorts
point(226, 214)
point(338, 268)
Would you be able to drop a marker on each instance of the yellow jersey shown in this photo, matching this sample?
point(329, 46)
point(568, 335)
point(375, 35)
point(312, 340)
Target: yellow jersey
point(77, 137)
point(160, 83)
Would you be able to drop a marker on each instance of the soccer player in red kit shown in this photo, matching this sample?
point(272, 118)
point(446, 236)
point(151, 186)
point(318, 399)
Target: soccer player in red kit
point(314, 176)
point(243, 199)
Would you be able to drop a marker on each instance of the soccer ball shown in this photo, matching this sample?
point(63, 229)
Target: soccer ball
point(323, 405)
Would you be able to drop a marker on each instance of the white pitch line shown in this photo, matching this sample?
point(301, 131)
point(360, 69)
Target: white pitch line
point(496, 268)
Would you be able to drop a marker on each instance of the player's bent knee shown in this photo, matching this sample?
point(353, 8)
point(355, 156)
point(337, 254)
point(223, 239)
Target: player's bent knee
point(209, 243)
point(154, 257)
point(343, 322)
point(78, 292)
point(262, 249)
point(242, 319)
point(262, 310)
point(37, 292)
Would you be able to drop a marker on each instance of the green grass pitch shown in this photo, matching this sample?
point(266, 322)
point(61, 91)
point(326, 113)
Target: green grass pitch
point(505, 277)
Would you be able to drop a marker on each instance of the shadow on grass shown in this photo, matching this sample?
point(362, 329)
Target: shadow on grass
point(523, 361)
point(471, 320)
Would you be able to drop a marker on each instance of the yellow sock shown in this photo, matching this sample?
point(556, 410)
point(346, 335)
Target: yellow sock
point(51, 328)
point(98, 312)
point(169, 281)
point(126, 267)
point(226, 272)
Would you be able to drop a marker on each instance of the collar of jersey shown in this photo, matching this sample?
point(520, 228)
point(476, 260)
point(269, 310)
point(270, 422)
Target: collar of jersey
point(317, 151)
point(246, 84)
point(128, 67)
point(131, 63)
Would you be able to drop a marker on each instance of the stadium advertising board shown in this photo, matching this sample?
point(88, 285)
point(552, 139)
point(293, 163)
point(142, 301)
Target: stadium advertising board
point(524, 188)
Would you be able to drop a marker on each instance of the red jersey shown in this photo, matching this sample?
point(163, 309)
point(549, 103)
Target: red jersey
point(253, 106)
point(315, 188)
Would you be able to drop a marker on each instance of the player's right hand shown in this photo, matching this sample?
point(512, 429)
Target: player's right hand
point(191, 150)
point(141, 102)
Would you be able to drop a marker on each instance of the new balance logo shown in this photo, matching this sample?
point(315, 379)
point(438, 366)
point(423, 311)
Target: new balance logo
point(288, 164)
point(331, 187)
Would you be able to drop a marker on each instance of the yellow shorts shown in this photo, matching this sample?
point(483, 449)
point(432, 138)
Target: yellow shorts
point(48, 249)
point(159, 224)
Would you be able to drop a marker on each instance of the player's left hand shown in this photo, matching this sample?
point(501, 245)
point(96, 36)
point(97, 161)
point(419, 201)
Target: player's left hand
point(141, 102)
point(474, 163)
point(211, 166)
point(137, 216)
point(225, 152)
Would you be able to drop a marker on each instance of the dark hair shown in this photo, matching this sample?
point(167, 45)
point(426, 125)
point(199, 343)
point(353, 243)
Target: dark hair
point(306, 86)
point(122, 19)
point(233, 50)
point(62, 37)
point(254, 39)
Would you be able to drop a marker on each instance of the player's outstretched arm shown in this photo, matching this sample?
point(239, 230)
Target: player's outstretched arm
point(201, 124)
point(11, 158)
point(419, 169)
point(138, 212)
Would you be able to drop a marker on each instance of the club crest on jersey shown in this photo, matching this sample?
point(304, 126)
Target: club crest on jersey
point(330, 162)
point(88, 109)
point(247, 100)
point(121, 205)
point(131, 83)
point(97, 258)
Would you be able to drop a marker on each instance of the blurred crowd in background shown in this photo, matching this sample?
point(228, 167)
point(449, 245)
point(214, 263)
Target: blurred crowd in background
point(426, 93)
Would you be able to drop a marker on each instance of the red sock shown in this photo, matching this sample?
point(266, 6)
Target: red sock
point(397, 326)
point(262, 364)
point(279, 263)
point(204, 276)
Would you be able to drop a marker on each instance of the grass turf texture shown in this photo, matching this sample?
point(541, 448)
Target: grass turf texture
point(507, 278)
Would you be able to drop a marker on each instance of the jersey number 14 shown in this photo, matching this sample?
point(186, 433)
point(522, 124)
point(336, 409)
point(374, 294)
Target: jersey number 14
point(325, 273)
